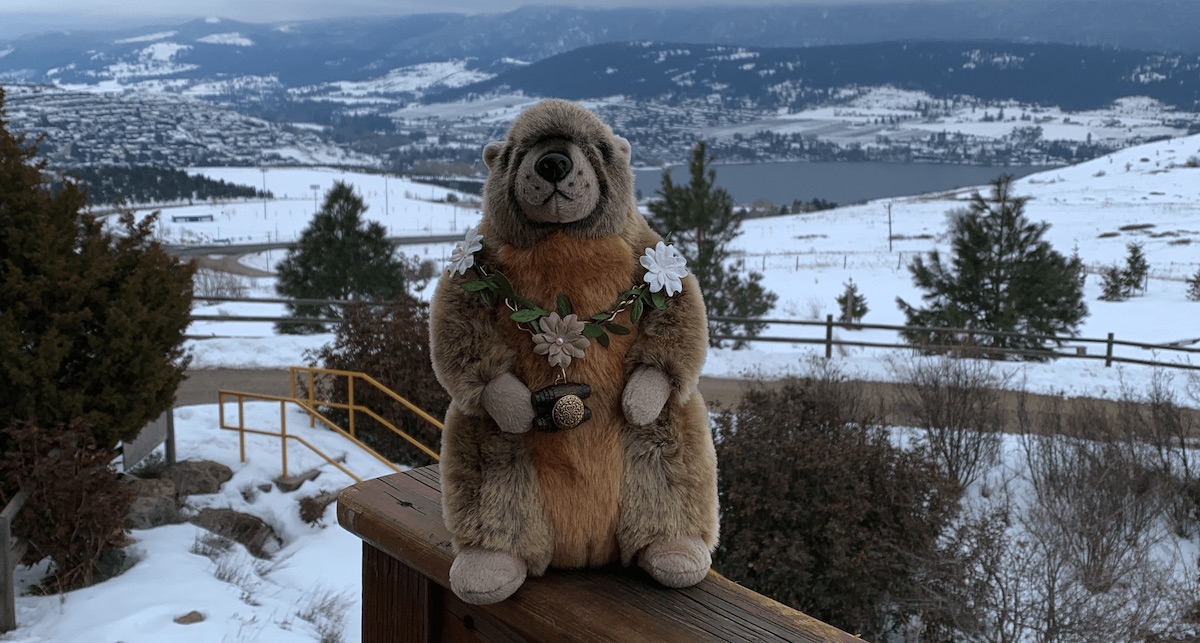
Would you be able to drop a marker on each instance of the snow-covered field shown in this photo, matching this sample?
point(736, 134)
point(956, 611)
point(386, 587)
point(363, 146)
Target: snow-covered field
point(805, 259)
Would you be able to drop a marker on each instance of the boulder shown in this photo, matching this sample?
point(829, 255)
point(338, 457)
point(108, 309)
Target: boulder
point(292, 483)
point(196, 477)
point(257, 536)
point(189, 618)
point(153, 504)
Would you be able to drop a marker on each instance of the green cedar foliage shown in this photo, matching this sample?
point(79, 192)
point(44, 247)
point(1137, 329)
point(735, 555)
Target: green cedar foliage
point(1002, 276)
point(699, 219)
point(92, 320)
point(342, 256)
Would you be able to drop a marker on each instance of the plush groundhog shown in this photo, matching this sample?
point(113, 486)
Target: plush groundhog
point(570, 339)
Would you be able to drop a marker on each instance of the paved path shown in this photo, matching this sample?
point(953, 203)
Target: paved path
point(201, 387)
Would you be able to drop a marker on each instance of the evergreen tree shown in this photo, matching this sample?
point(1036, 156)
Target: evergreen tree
point(1193, 282)
point(92, 320)
point(339, 256)
point(1136, 268)
point(1114, 285)
point(700, 221)
point(851, 304)
point(1002, 276)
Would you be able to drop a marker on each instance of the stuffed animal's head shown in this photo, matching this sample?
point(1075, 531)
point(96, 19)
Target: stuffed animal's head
point(559, 168)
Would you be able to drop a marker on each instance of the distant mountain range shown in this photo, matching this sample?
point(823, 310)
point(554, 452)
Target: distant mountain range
point(436, 86)
point(1072, 77)
point(352, 50)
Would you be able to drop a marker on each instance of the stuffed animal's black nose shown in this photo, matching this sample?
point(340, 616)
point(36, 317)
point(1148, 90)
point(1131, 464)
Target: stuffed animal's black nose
point(553, 167)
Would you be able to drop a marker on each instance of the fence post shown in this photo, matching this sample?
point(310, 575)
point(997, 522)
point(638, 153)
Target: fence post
point(9, 557)
point(170, 443)
point(828, 336)
point(1108, 352)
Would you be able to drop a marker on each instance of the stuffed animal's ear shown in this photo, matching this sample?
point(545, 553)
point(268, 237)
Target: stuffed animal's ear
point(623, 147)
point(491, 152)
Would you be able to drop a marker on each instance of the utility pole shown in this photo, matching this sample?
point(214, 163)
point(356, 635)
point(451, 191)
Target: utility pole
point(387, 210)
point(315, 187)
point(264, 172)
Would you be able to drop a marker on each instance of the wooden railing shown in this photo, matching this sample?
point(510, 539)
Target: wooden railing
point(406, 595)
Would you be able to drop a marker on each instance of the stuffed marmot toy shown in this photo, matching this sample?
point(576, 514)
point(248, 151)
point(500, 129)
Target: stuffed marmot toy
point(570, 338)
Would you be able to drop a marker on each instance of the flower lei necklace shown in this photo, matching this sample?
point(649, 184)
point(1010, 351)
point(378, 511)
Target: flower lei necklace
point(559, 334)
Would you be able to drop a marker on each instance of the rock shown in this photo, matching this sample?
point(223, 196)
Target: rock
point(257, 536)
point(189, 618)
point(153, 504)
point(292, 483)
point(312, 508)
point(195, 477)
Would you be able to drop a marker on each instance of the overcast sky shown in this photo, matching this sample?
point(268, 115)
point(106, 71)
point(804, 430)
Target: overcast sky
point(24, 16)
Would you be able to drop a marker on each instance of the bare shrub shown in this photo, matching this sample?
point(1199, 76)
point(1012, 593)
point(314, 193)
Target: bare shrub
point(391, 344)
point(1092, 527)
point(1156, 418)
point(959, 404)
point(213, 283)
point(326, 609)
point(211, 546)
point(820, 510)
point(75, 504)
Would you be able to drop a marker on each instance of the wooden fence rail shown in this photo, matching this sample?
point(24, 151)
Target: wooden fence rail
point(965, 339)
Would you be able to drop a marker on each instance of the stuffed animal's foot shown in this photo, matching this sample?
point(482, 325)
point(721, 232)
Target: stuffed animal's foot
point(676, 562)
point(482, 577)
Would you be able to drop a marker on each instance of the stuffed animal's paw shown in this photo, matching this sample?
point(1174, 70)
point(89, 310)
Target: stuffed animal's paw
point(645, 395)
point(676, 562)
point(510, 403)
point(482, 577)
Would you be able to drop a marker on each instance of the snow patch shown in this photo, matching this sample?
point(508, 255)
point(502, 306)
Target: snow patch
point(232, 38)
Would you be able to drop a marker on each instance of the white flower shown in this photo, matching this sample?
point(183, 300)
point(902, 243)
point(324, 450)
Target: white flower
point(562, 340)
point(463, 256)
point(665, 267)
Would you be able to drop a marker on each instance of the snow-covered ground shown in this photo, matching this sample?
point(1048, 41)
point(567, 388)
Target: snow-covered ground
point(805, 259)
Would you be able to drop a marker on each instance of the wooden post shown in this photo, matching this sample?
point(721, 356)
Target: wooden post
point(828, 336)
point(406, 595)
point(10, 555)
point(170, 448)
point(1108, 352)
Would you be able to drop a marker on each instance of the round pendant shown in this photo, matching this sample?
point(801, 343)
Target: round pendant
point(567, 412)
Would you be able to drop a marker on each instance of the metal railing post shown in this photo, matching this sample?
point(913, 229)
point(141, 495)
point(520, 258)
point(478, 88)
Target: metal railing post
point(283, 434)
point(242, 425)
point(350, 397)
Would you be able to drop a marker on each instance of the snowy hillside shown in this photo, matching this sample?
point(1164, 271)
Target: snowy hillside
point(1145, 194)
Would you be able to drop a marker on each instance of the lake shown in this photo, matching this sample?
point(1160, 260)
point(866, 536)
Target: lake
point(843, 183)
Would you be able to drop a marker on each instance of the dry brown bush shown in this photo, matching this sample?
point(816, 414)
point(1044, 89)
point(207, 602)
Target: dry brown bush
point(75, 506)
point(820, 510)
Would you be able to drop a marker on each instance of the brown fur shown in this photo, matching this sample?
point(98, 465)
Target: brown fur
point(605, 490)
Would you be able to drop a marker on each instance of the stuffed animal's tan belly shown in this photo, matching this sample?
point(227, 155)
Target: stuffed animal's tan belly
point(579, 470)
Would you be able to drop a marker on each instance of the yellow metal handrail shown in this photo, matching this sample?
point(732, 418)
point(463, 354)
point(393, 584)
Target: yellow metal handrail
point(283, 435)
point(311, 402)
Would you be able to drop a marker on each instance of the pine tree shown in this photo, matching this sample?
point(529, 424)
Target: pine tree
point(1002, 276)
point(339, 256)
point(1136, 268)
point(700, 221)
point(92, 321)
point(1114, 284)
point(852, 304)
point(1193, 282)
